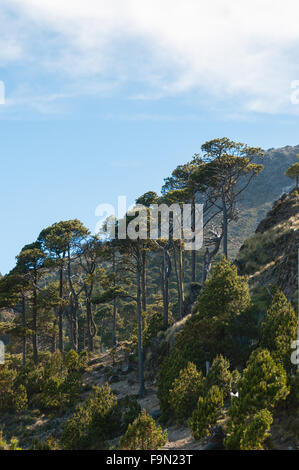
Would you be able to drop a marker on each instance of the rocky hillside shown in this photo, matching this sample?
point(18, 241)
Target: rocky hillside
point(258, 198)
point(270, 256)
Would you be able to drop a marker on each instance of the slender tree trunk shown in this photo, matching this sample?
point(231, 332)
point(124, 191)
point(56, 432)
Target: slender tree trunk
point(178, 281)
point(165, 285)
point(89, 325)
point(60, 311)
point(139, 326)
point(193, 252)
point(76, 340)
point(24, 325)
point(70, 319)
point(143, 281)
point(75, 325)
point(54, 340)
point(34, 328)
point(73, 305)
point(225, 224)
point(114, 341)
point(181, 274)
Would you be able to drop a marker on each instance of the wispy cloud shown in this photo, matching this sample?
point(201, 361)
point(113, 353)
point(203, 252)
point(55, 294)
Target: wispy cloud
point(246, 50)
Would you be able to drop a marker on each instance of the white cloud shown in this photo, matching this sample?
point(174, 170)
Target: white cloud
point(245, 49)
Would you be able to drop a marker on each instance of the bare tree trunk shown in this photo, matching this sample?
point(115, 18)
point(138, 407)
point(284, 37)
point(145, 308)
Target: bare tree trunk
point(34, 328)
point(225, 224)
point(114, 340)
point(209, 256)
point(143, 281)
point(73, 306)
point(54, 341)
point(181, 275)
point(60, 311)
point(178, 281)
point(89, 325)
point(193, 252)
point(139, 326)
point(166, 274)
point(24, 348)
point(75, 325)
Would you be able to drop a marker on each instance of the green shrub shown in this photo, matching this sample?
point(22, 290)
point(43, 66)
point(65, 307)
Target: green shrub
point(204, 417)
point(55, 366)
point(51, 396)
point(20, 399)
point(71, 360)
point(251, 434)
point(75, 434)
point(32, 378)
point(279, 329)
point(62, 381)
point(155, 322)
point(48, 444)
point(7, 378)
point(186, 349)
point(235, 380)
point(75, 362)
point(93, 422)
point(143, 434)
point(220, 375)
point(221, 313)
point(185, 391)
point(261, 387)
point(12, 446)
point(225, 293)
point(129, 411)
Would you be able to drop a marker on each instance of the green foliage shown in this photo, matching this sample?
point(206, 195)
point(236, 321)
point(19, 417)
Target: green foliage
point(212, 330)
point(143, 434)
point(14, 444)
point(204, 417)
point(225, 294)
point(222, 313)
point(251, 434)
point(235, 380)
point(279, 329)
point(32, 378)
point(293, 172)
point(20, 399)
point(93, 422)
point(48, 444)
point(185, 391)
point(62, 381)
point(51, 396)
point(154, 322)
point(129, 411)
point(7, 378)
point(220, 375)
point(262, 385)
point(170, 369)
point(52, 386)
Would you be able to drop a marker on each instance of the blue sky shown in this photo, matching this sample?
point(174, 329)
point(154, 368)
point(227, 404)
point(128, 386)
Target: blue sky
point(106, 98)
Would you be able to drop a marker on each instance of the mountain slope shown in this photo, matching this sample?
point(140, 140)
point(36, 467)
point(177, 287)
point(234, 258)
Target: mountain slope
point(258, 198)
point(270, 256)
